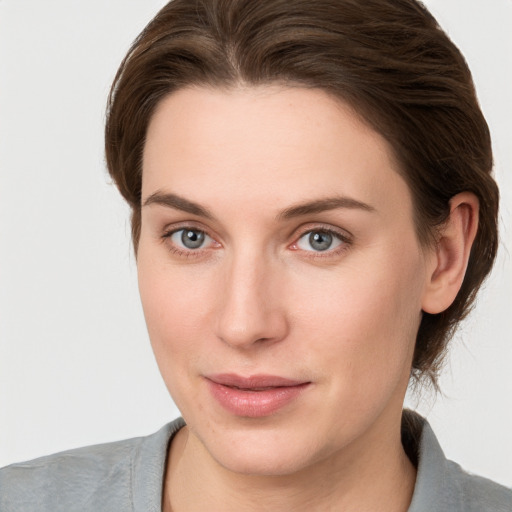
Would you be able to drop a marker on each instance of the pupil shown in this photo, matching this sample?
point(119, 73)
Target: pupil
point(192, 239)
point(320, 241)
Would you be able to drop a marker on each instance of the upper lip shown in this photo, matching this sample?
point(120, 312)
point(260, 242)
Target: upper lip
point(254, 381)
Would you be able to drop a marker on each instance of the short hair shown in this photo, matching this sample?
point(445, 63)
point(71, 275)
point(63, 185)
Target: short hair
point(388, 59)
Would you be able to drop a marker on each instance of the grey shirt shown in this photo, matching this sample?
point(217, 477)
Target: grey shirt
point(128, 476)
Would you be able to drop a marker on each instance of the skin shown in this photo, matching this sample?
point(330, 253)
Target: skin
point(257, 298)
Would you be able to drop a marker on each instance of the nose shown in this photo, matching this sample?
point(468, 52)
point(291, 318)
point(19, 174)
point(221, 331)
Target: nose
point(252, 305)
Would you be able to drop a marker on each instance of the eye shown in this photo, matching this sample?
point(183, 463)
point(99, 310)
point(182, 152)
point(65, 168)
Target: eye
point(319, 240)
point(190, 239)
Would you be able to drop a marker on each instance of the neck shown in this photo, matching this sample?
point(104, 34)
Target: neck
point(362, 477)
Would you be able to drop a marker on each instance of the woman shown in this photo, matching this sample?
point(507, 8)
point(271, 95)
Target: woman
point(312, 215)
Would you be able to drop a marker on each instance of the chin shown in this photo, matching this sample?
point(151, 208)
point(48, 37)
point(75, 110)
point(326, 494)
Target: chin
point(260, 450)
point(269, 462)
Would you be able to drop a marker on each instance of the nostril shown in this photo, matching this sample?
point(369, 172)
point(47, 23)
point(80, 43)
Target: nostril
point(250, 311)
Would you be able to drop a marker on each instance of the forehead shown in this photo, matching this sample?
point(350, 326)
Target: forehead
point(268, 144)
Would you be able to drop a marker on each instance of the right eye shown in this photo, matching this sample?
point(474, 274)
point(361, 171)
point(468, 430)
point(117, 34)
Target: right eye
point(189, 239)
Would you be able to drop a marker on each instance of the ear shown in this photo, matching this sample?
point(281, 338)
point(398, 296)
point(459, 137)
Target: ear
point(449, 258)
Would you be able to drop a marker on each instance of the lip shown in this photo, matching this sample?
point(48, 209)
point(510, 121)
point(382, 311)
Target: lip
point(254, 396)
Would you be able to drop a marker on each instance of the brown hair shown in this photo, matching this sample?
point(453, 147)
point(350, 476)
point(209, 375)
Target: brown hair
point(389, 59)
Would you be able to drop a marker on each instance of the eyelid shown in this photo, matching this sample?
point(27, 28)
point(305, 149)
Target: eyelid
point(343, 235)
point(171, 229)
point(192, 225)
point(207, 239)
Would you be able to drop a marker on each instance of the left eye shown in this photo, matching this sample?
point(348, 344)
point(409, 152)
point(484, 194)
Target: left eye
point(319, 241)
point(190, 238)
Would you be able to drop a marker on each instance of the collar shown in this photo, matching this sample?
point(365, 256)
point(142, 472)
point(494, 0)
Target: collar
point(437, 488)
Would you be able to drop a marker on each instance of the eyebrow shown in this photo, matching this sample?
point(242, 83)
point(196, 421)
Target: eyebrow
point(320, 205)
point(178, 203)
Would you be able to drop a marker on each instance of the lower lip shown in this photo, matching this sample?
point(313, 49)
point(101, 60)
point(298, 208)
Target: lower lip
point(255, 404)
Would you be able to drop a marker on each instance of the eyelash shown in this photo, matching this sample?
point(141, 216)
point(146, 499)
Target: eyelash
point(345, 240)
point(186, 253)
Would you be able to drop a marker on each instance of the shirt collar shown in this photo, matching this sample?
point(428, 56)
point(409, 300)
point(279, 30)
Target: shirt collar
point(148, 468)
point(435, 490)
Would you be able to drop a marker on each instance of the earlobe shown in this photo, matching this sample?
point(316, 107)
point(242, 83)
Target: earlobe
point(449, 258)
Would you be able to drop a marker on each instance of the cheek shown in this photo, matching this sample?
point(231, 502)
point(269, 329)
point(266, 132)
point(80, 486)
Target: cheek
point(365, 316)
point(177, 307)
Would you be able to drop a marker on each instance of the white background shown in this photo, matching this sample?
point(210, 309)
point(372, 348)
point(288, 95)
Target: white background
point(75, 362)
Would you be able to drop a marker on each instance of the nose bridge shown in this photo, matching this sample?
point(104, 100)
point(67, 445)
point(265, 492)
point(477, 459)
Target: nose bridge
point(251, 309)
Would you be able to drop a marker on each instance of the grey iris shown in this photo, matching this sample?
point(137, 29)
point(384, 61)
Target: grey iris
point(192, 239)
point(320, 241)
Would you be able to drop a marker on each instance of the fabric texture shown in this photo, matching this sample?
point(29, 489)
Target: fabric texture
point(128, 476)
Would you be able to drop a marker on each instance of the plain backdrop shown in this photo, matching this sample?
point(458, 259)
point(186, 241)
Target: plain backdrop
point(76, 366)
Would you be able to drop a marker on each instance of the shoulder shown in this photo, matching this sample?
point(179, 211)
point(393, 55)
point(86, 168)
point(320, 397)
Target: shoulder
point(96, 478)
point(478, 494)
point(69, 478)
point(443, 486)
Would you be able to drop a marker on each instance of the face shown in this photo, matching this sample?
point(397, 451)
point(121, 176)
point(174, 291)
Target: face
point(280, 274)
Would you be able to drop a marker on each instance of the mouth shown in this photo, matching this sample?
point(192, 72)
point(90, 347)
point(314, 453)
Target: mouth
point(255, 396)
